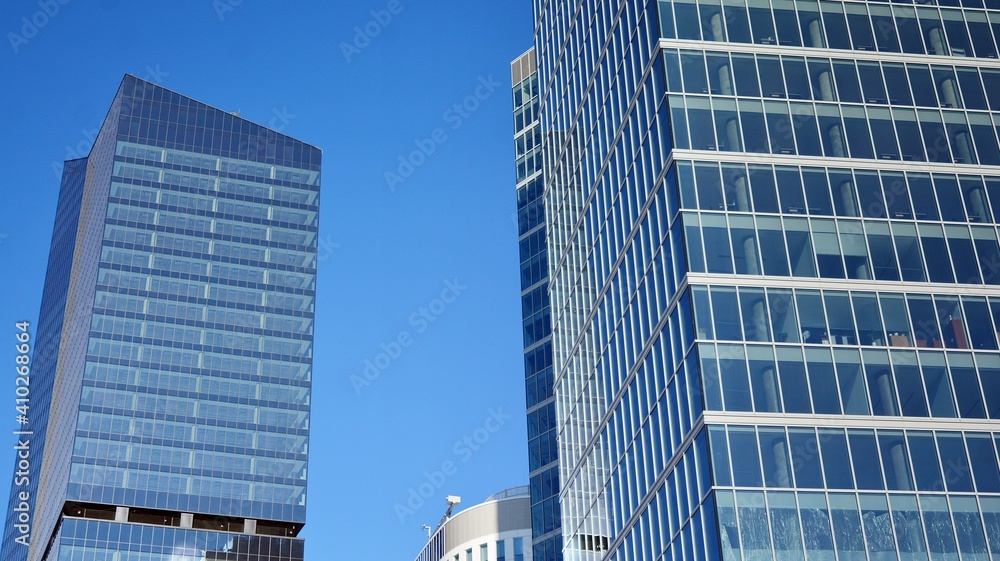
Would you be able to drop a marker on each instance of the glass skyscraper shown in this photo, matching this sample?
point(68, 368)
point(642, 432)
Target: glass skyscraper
point(543, 454)
point(171, 376)
point(772, 258)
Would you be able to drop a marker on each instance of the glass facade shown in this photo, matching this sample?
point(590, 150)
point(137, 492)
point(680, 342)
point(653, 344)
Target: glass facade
point(772, 256)
point(543, 454)
point(179, 422)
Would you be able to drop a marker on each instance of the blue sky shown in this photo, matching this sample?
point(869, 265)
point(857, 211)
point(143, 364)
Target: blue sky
point(390, 250)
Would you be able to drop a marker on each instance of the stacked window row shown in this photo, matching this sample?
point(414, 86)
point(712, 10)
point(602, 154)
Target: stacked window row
point(197, 462)
point(525, 94)
point(824, 79)
point(542, 444)
point(836, 249)
point(282, 443)
point(125, 266)
point(158, 195)
point(538, 374)
point(117, 399)
point(872, 382)
point(200, 162)
point(202, 244)
point(501, 552)
point(835, 458)
point(98, 540)
point(837, 192)
point(859, 26)
point(545, 512)
point(832, 317)
point(794, 526)
point(185, 181)
point(253, 390)
point(822, 129)
point(169, 334)
point(167, 490)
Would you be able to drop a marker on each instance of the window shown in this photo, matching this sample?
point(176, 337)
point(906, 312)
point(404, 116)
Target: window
point(908, 251)
point(805, 461)
point(737, 23)
point(984, 462)
point(881, 389)
point(836, 459)
point(735, 383)
point(794, 388)
point(799, 247)
point(783, 320)
point(861, 27)
point(909, 32)
point(989, 374)
point(895, 81)
point(938, 384)
point(763, 379)
point(979, 30)
point(796, 77)
point(484, 554)
point(922, 85)
point(847, 526)
point(761, 22)
point(852, 382)
point(836, 25)
point(967, 390)
point(786, 23)
point(882, 253)
point(909, 383)
point(864, 454)
point(743, 445)
point(774, 452)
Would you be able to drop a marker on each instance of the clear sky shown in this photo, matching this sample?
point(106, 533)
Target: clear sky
point(388, 251)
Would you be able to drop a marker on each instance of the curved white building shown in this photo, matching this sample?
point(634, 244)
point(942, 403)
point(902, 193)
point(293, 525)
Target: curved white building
point(499, 529)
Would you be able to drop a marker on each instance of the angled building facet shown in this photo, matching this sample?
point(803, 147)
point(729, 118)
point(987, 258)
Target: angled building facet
point(172, 365)
point(772, 284)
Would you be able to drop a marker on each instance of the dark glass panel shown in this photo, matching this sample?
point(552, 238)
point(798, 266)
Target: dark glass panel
point(896, 83)
point(794, 388)
point(836, 25)
point(926, 467)
point(896, 461)
point(765, 198)
point(852, 382)
point(761, 22)
point(938, 384)
point(864, 454)
point(822, 382)
point(836, 459)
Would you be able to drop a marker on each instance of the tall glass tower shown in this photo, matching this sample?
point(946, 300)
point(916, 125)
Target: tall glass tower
point(543, 454)
point(170, 382)
point(774, 277)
